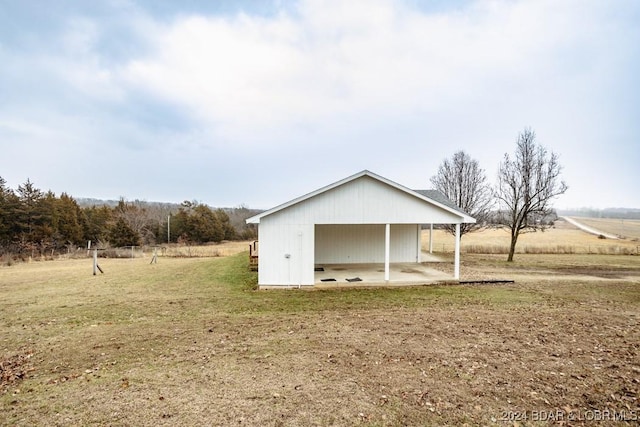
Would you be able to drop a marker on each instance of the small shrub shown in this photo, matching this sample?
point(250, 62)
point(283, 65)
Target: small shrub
point(7, 260)
point(485, 249)
point(564, 249)
point(600, 236)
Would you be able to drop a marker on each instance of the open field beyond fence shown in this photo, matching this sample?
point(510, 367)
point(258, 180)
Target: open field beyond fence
point(561, 239)
point(213, 250)
point(187, 341)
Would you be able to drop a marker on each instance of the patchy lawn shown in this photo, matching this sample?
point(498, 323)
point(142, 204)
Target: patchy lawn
point(187, 342)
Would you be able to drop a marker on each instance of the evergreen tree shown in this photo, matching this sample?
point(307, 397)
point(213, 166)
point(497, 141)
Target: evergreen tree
point(228, 231)
point(97, 221)
point(137, 218)
point(29, 214)
point(4, 215)
point(180, 227)
point(205, 225)
point(8, 205)
point(121, 234)
point(69, 218)
point(45, 233)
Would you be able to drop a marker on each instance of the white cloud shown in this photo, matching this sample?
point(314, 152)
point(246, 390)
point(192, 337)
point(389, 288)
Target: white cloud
point(386, 85)
point(248, 75)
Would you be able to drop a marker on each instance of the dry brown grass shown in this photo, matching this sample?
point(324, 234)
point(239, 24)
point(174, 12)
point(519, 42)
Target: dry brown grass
point(184, 342)
point(627, 228)
point(561, 239)
point(211, 250)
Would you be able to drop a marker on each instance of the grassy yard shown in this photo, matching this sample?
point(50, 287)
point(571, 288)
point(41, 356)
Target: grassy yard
point(188, 341)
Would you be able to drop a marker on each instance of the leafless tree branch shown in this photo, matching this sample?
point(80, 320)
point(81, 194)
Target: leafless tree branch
point(463, 181)
point(526, 185)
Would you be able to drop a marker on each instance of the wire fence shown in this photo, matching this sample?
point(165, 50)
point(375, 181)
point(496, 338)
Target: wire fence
point(542, 249)
point(172, 251)
point(178, 251)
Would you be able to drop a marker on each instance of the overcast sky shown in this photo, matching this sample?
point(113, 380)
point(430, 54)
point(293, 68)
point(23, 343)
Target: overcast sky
point(257, 102)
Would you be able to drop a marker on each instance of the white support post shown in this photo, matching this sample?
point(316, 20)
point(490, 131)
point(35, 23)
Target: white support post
point(419, 243)
point(387, 250)
point(456, 267)
point(430, 238)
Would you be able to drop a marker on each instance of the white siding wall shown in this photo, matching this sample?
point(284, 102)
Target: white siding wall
point(364, 201)
point(352, 244)
point(278, 240)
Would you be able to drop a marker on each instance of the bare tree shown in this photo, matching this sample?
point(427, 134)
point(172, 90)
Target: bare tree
point(136, 217)
point(526, 185)
point(464, 183)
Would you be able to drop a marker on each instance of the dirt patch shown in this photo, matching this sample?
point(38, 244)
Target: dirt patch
point(430, 366)
point(549, 267)
point(14, 369)
point(461, 365)
point(600, 273)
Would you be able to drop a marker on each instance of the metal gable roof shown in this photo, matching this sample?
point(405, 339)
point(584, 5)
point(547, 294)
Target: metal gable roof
point(440, 197)
point(431, 196)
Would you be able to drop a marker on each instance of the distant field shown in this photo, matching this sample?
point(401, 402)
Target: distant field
point(563, 238)
point(627, 228)
point(187, 342)
point(214, 249)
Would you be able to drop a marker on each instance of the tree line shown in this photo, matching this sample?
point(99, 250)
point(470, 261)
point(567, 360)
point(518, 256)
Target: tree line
point(32, 220)
point(35, 221)
point(521, 199)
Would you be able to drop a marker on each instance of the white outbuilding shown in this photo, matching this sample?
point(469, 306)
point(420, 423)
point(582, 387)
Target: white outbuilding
point(362, 219)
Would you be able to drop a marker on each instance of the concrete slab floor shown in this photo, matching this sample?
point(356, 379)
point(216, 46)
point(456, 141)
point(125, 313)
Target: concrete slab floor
point(400, 274)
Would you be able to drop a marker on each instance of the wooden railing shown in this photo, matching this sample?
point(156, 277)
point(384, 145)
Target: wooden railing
point(253, 256)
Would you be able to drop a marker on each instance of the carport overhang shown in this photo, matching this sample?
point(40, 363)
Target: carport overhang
point(383, 246)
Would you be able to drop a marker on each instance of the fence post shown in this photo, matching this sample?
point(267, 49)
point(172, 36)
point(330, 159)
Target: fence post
point(96, 266)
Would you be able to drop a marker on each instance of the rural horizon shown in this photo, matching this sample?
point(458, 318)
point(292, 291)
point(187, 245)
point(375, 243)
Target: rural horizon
point(84, 200)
